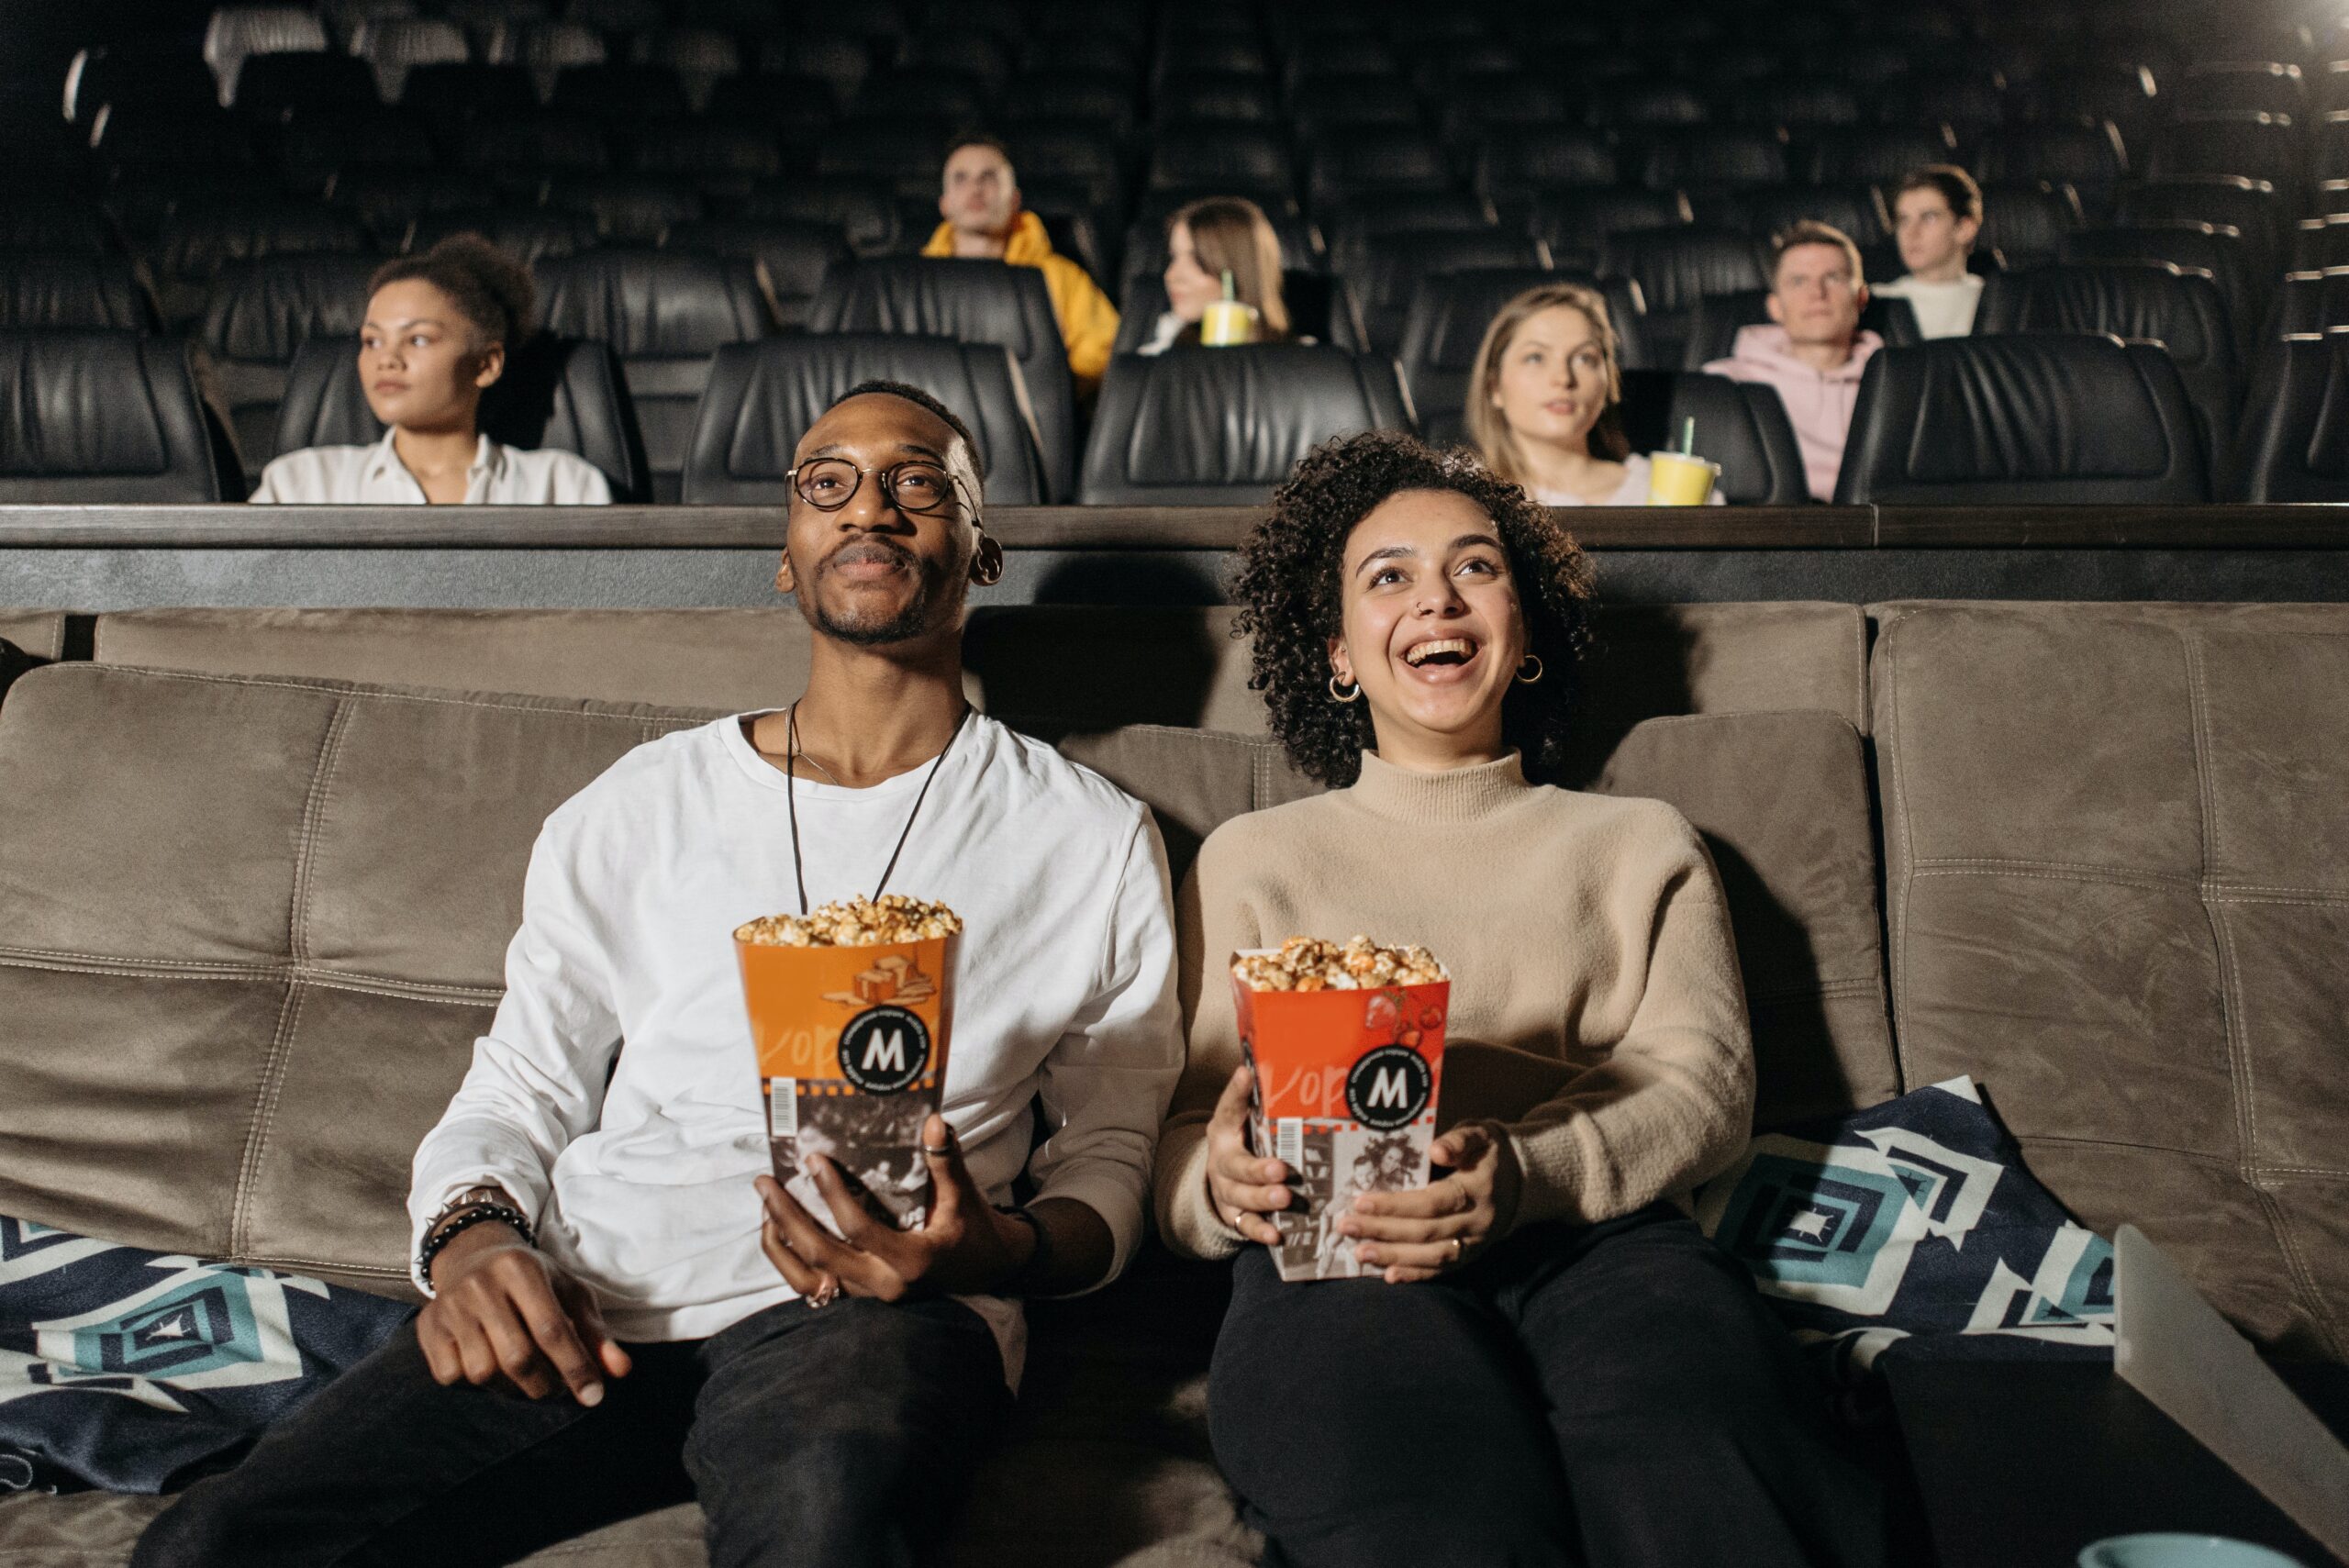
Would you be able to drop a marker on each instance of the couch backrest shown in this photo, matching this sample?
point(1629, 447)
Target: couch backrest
point(2118, 880)
point(733, 659)
point(253, 932)
point(1051, 669)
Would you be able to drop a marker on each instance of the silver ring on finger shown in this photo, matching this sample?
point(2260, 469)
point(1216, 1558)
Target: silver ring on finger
point(1458, 1251)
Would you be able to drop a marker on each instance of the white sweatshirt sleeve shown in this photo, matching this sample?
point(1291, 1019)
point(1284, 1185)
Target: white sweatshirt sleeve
point(1106, 1082)
point(537, 1076)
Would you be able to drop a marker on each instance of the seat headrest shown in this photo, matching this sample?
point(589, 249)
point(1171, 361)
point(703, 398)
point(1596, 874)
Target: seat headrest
point(979, 302)
point(1676, 267)
point(651, 304)
point(199, 239)
point(99, 416)
point(262, 310)
point(763, 397)
point(1207, 427)
point(2024, 420)
point(2151, 300)
point(48, 288)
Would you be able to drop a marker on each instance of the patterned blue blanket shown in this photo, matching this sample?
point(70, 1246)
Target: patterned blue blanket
point(1912, 1224)
point(137, 1372)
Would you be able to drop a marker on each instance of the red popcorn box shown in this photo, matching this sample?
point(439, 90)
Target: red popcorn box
point(1345, 1086)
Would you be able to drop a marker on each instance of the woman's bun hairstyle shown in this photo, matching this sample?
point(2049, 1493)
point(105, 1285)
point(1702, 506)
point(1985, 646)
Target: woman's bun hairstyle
point(490, 289)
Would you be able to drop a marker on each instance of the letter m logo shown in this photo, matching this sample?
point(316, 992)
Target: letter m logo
point(885, 1055)
point(1387, 1090)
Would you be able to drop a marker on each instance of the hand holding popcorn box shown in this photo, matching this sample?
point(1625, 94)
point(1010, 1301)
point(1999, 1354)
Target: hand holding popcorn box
point(851, 1008)
point(1346, 1047)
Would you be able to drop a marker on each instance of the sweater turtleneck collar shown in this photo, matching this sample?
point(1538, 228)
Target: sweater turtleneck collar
point(1454, 797)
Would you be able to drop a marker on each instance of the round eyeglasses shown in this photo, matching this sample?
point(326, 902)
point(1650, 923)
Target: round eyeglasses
point(828, 483)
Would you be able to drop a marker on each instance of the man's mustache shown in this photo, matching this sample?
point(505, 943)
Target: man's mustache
point(870, 549)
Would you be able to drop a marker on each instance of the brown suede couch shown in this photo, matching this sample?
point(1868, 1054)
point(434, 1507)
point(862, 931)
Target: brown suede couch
point(258, 869)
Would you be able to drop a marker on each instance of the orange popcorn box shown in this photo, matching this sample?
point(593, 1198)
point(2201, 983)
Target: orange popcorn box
point(851, 1053)
point(1345, 1090)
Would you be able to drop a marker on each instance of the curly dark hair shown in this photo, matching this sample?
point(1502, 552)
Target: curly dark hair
point(490, 289)
point(1288, 587)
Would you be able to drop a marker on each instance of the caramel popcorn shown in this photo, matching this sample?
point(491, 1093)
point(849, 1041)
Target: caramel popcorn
point(1309, 963)
point(854, 923)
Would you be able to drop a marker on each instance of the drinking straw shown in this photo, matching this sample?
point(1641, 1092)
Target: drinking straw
point(1688, 432)
point(1227, 290)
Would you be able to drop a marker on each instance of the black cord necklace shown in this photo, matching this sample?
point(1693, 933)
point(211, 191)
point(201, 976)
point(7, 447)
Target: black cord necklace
point(791, 799)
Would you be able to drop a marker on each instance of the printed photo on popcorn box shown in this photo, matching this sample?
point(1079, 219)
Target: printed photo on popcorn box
point(1346, 1048)
point(850, 1032)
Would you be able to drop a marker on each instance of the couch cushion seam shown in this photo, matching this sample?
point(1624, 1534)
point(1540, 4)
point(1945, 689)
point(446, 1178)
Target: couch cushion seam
point(2311, 1299)
point(1896, 967)
point(2222, 937)
point(365, 691)
point(288, 1005)
point(65, 963)
point(313, 808)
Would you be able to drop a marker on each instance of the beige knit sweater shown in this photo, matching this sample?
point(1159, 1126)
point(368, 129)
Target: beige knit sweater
point(1596, 1009)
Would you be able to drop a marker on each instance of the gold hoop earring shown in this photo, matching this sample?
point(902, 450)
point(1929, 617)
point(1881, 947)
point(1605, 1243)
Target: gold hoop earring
point(1522, 678)
point(1349, 696)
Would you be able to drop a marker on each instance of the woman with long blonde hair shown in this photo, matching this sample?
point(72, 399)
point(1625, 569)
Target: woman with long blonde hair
point(1545, 401)
point(1206, 239)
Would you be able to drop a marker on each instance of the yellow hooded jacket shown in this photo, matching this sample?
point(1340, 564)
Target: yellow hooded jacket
point(1088, 321)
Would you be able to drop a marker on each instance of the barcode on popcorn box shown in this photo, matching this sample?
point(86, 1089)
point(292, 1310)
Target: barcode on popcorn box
point(1346, 1045)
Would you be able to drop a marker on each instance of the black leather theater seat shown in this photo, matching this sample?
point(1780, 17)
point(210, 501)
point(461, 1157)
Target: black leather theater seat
point(1576, 225)
point(794, 257)
point(102, 416)
point(2025, 222)
point(1389, 267)
point(528, 234)
point(1520, 162)
point(626, 209)
point(2030, 421)
point(1676, 267)
point(1221, 426)
point(1239, 160)
point(977, 302)
point(664, 314)
point(1739, 425)
point(556, 391)
point(63, 288)
point(1446, 321)
point(763, 397)
point(2148, 301)
point(202, 237)
point(1858, 210)
point(1722, 160)
point(256, 314)
point(2296, 440)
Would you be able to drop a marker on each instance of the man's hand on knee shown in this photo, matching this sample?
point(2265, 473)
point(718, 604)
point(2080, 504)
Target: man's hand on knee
point(965, 1246)
point(504, 1309)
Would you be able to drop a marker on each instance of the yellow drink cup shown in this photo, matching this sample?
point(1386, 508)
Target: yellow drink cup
point(1226, 322)
point(1674, 480)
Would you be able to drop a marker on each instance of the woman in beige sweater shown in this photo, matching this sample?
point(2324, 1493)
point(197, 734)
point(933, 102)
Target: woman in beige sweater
point(1550, 1364)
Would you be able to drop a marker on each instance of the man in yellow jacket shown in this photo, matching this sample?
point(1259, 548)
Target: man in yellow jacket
point(980, 203)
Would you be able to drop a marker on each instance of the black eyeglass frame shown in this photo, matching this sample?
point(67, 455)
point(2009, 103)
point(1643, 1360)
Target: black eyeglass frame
point(887, 478)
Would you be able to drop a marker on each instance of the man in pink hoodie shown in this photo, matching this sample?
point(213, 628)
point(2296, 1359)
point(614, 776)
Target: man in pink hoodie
point(1814, 352)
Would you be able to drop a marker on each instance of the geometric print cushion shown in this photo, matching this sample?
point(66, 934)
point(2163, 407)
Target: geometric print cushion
point(137, 1371)
point(1911, 1223)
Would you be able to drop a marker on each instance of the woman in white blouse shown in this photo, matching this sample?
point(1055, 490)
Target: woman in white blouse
point(435, 338)
point(1545, 401)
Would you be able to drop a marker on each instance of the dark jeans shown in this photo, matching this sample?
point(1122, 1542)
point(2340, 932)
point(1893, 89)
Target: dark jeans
point(1615, 1395)
point(837, 1436)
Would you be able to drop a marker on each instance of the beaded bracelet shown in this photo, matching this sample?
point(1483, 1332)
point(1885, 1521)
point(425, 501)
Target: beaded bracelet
point(464, 1219)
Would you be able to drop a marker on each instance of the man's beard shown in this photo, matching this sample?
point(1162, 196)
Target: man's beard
point(931, 579)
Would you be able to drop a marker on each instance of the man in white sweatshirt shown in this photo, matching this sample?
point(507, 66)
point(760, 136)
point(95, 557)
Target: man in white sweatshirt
point(1936, 218)
point(628, 1311)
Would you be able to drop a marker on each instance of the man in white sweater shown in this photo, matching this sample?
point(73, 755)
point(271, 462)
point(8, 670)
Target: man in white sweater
point(628, 1311)
point(1936, 218)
